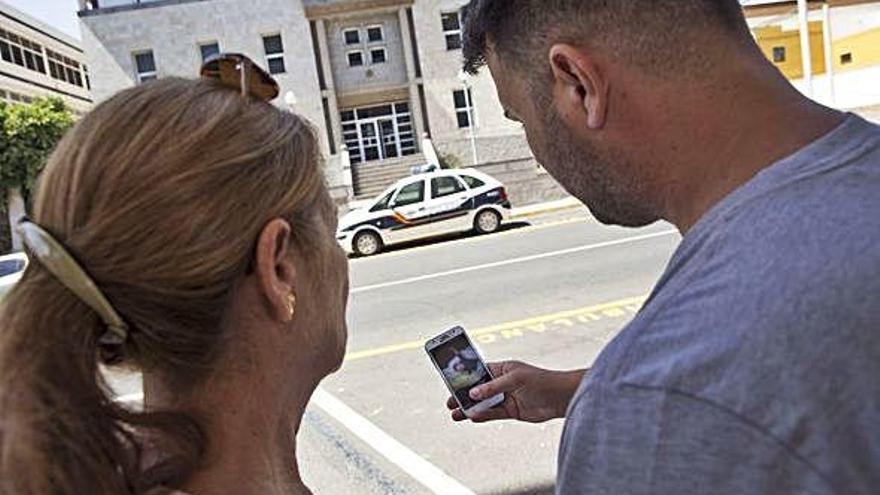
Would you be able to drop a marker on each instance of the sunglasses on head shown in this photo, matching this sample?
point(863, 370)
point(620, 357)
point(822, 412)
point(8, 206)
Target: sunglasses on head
point(240, 73)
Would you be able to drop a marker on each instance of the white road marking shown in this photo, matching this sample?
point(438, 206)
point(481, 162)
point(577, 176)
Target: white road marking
point(514, 261)
point(398, 454)
point(138, 397)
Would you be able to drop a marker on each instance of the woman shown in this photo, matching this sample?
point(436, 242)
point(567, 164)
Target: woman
point(202, 218)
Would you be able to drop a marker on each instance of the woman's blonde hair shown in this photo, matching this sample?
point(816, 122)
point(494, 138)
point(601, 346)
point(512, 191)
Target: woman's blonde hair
point(160, 193)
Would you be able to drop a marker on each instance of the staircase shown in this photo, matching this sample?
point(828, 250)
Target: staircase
point(371, 178)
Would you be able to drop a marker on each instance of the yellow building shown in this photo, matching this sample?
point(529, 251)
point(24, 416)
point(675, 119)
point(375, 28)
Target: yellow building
point(857, 46)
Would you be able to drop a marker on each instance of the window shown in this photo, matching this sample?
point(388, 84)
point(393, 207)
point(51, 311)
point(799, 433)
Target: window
point(9, 267)
point(778, 54)
point(846, 58)
point(352, 36)
point(86, 75)
point(274, 53)
point(378, 56)
point(382, 204)
point(64, 68)
point(21, 51)
point(472, 182)
point(451, 30)
point(355, 59)
point(146, 66)
point(445, 186)
point(208, 50)
point(411, 194)
point(375, 33)
point(464, 111)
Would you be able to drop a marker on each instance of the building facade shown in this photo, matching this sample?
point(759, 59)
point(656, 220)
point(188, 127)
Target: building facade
point(37, 61)
point(375, 77)
point(844, 47)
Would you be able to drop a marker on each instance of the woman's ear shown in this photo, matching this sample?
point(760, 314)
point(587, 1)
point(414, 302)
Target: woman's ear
point(275, 269)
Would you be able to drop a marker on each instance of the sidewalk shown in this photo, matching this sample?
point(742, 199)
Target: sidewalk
point(568, 203)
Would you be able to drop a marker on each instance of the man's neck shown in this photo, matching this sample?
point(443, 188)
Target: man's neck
point(734, 132)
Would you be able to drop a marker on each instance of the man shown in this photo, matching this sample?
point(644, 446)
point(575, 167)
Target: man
point(754, 367)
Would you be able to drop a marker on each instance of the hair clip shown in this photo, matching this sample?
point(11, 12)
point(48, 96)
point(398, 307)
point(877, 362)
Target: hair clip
point(238, 72)
point(52, 254)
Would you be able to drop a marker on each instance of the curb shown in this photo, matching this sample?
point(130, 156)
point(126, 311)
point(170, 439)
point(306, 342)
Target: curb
point(545, 208)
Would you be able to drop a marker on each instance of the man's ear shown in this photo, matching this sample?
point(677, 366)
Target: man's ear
point(275, 268)
point(580, 83)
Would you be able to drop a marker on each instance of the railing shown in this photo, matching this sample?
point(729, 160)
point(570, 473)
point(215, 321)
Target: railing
point(106, 4)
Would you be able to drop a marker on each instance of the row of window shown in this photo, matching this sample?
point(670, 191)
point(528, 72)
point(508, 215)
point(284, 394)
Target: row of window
point(440, 187)
point(779, 56)
point(13, 97)
point(365, 41)
point(375, 34)
point(273, 46)
point(25, 53)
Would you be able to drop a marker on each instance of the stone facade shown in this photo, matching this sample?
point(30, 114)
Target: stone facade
point(418, 70)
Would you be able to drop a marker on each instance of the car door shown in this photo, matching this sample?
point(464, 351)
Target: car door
point(410, 212)
point(449, 205)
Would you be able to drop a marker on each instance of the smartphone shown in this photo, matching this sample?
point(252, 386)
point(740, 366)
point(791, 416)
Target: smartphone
point(462, 369)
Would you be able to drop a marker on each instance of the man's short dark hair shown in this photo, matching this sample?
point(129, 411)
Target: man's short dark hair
point(650, 33)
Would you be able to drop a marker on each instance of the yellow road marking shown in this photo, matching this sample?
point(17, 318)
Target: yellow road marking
point(538, 324)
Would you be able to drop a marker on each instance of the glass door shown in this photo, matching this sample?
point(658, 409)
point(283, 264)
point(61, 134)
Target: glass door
point(389, 137)
point(369, 141)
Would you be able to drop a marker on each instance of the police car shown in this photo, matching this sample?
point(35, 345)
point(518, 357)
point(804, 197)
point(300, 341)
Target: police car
point(426, 205)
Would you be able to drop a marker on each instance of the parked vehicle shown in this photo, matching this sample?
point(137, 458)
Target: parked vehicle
point(426, 205)
point(11, 268)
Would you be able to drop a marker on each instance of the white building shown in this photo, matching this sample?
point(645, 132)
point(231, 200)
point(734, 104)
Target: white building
point(37, 60)
point(374, 76)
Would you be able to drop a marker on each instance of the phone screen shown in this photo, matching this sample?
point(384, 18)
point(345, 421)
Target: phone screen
point(462, 368)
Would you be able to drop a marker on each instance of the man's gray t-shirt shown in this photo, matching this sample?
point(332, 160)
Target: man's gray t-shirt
point(754, 367)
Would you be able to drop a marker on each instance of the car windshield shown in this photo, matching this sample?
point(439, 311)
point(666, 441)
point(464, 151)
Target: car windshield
point(382, 204)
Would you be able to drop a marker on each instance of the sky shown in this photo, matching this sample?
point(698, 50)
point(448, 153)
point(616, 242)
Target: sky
point(60, 14)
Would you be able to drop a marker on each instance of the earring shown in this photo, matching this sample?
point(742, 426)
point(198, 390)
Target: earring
point(291, 306)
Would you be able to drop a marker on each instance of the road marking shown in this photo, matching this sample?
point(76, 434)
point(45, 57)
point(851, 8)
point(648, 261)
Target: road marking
point(524, 259)
point(464, 240)
point(538, 324)
point(429, 475)
point(138, 397)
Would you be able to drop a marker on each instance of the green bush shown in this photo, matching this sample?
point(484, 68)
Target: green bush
point(28, 134)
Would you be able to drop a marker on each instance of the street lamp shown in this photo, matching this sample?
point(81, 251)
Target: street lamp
point(465, 83)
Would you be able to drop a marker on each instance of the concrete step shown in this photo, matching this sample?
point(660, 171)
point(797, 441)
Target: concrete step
point(372, 178)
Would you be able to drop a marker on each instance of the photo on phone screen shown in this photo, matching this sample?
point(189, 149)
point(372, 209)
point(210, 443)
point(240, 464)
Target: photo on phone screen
point(462, 367)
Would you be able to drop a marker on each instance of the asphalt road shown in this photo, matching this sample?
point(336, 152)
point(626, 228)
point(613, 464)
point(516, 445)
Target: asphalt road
point(552, 292)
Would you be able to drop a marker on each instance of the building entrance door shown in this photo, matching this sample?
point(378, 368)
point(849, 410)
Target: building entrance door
point(379, 132)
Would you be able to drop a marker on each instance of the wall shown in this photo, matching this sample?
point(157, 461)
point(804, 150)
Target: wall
point(175, 31)
point(771, 37)
point(369, 76)
point(441, 68)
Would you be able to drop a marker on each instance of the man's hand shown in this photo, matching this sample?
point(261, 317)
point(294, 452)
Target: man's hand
point(532, 394)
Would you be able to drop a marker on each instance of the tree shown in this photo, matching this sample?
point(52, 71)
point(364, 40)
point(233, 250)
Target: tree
point(28, 134)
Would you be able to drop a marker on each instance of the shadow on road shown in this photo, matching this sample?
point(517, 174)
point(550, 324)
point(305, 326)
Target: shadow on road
point(535, 490)
point(450, 237)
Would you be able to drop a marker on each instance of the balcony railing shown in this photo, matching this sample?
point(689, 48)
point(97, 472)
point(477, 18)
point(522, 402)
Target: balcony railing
point(108, 4)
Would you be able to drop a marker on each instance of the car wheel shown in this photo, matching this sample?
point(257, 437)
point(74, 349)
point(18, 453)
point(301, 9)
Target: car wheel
point(487, 221)
point(367, 244)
